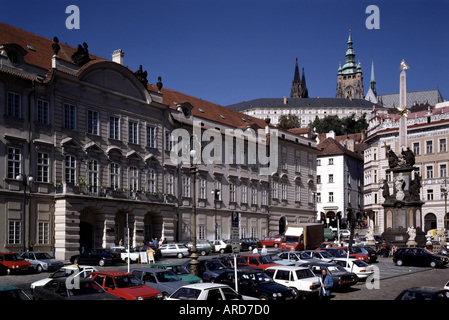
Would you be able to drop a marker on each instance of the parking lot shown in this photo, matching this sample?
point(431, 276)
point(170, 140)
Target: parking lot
point(391, 278)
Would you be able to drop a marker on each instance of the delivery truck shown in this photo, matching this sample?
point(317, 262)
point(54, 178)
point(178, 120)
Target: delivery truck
point(302, 237)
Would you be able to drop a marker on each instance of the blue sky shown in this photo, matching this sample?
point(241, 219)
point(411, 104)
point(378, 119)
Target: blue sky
point(228, 51)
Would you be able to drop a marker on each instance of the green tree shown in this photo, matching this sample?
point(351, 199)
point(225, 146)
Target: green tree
point(347, 125)
point(289, 121)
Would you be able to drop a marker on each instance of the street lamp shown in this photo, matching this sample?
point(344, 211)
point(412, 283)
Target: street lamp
point(26, 180)
point(194, 255)
point(444, 193)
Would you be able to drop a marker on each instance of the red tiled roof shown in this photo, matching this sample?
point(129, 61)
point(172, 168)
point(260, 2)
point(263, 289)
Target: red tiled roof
point(330, 147)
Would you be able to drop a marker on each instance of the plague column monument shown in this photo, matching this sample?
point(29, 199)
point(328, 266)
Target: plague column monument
point(403, 207)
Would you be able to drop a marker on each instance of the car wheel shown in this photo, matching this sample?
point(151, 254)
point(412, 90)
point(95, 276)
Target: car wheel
point(263, 297)
point(399, 262)
point(222, 251)
point(250, 248)
point(180, 255)
point(101, 263)
point(298, 296)
point(203, 253)
point(276, 245)
point(39, 268)
point(433, 264)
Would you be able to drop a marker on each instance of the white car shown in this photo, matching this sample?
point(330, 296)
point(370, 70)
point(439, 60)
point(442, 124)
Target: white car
point(221, 246)
point(42, 261)
point(134, 256)
point(179, 250)
point(362, 269)
point(300, 279)
point(323, 255)
point(207, 291)
point(345, 233)
point(76, 270)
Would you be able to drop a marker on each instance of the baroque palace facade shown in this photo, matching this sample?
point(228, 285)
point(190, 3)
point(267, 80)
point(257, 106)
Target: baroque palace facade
point(86, 146)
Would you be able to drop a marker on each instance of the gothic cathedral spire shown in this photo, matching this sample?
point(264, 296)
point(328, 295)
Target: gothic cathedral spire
point(299, 88)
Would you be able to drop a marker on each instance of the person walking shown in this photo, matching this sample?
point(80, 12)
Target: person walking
point(326, 285)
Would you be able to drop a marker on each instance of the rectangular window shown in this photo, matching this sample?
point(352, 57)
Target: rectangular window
point(275, 190)
point(14, 105)
point(429, 146)
point(443, 147)
point(443, 171)
point(93, 176)
point(254, 195)
point(416, 148)
point(297, 193)
point(169, 183)
point(331, 197)
point(231, 192)
point(318, 197)
point(114, 128)
point(70, 169)
point(202, 189)
point(429, 194)
point(152, 182)
point(151, 136)
point(429, 172)
point(114, 176)
point(43, 111)
point(14, 162)
point(168, 142)
point(14, 232)
point(133, 179)
point(69, 116)
point(331, 161)
point(92, 122)
point(186, 186)
point(44, 233)
point(331, 178)
point(297, 165)
point(264, 196)
point(284, 191)
point(133, 132)
point(43, 167)
point(244, 193)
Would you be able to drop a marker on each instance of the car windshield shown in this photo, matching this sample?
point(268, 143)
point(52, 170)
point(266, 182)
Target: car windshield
point(325, 254)
point(127, 281)
point(215, 265)
point(178, 269)
point(265, 259)
point(336, 268)
point(63, 272)
point(304, 273)
point(257, 277)
point(42, 255)
point(12, 257)
point(303, 255)
point(360, 263)
point(167, 276)
point(85, 287)
point(186, 294)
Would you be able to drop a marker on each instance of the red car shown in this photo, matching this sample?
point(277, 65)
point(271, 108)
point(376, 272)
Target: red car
point(124, 285)
point(13, 262)
point(260, 261)
point(271, 241)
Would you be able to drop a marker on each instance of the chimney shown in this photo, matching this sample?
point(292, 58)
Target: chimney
point(117, 56)
point(285, 100)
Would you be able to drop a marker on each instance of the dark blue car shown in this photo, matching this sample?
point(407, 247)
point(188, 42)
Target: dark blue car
point(208, 270)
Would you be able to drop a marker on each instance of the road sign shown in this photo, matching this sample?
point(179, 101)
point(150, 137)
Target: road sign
point(235, 226)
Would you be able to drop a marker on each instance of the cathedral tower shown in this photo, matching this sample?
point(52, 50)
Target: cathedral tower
point(299, 88)
point(350, 77)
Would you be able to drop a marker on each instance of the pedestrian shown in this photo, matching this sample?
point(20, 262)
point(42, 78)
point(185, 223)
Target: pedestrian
point(120, 243)
point(326, 285)
point(264, 250)
point(155, 243)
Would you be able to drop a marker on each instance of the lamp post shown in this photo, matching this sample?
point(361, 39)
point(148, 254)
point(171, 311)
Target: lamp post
point(194, 255)
point(444, 193)
point(26, 180)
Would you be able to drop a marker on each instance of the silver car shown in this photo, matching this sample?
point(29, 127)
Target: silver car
point(42, 261)
point(166, 281)
point(179, 250)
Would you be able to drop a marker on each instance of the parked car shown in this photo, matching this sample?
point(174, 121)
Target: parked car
point(11, 293)
point(295, 258)
point(342, 279)
point(362, 269)
point(242, 263)
point(166, 281)
point(424, 293)
point(12, 262)
point(123, 252)
point(300, 279)
point(208, 270)
point(156, 251)
point(84, 289)
point(66, 271)
point(101, 257)
point(207, 291)
point(256, 284)
point(419, 257)
point(124, 285)
point(42, 261)
point(271, 241)
point(372, 254)
point(336, 252)
point(345, 233)
point(221, 246)
point(179, 270)
point(203, 247)
point(260, 261)
point(322, 255)
point(179, 250)
point(249, 244)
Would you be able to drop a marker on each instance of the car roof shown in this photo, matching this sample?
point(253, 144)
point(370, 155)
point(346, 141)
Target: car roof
point(149, 269)
point(426, 289)
point(113, 273)
point(7, 287)
point(287, 268)
point(205, 285)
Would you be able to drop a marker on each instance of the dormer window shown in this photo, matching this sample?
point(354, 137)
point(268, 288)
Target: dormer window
point(14, 52)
